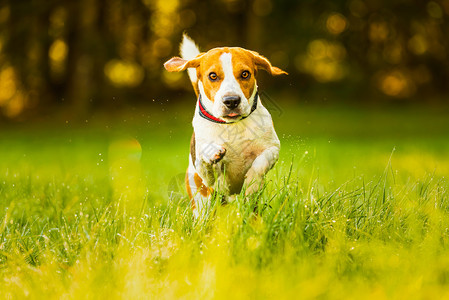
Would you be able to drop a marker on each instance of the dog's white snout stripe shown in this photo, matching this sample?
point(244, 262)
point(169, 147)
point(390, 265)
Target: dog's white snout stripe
point(229, 84)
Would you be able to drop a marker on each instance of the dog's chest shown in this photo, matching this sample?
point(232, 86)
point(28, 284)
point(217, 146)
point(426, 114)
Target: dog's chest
point(243, 141)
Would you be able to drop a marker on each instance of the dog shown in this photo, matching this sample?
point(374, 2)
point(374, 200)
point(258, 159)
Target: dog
point(234, 143)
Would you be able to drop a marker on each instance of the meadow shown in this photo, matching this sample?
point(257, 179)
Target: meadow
point(356, 208)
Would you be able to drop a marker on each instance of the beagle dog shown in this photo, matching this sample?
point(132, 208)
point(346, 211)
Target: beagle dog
point(234, 143)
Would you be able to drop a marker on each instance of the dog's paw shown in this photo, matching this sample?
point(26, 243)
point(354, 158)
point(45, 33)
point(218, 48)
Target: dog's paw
point(212, 153)
point(218, 155)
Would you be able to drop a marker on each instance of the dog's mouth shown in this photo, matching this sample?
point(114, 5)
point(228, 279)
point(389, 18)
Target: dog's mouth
point(233, 116)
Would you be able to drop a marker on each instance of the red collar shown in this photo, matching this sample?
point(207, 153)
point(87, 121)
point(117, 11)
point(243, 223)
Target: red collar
point(208, 116)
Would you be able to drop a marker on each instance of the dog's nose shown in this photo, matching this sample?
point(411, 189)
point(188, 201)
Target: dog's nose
point(231, 102)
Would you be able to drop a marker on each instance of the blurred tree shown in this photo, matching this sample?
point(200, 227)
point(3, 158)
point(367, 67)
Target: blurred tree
point(75, 56)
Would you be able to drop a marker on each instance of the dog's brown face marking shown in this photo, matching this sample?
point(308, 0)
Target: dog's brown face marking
point(211, 71)
point(210, 64)
point(244, 70)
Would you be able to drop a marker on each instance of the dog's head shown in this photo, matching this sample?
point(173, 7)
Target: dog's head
point(226, 78)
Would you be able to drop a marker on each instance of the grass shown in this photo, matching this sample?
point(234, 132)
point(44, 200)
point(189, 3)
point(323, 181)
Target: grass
point(357, 207)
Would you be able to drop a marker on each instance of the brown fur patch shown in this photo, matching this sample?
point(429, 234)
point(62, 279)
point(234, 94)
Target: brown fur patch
point(177, 64)
point(264, 64)
point(204, 191)
point(210, 62)
point(192, 148)
point(188, 189)
point(242, 60)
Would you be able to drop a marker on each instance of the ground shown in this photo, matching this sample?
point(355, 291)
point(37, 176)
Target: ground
point(357, 207)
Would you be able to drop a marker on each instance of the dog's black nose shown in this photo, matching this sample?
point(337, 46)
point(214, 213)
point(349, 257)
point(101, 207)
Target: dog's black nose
point(231, 102)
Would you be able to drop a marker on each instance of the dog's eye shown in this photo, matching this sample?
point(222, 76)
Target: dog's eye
point(213, 76)
point(245, 74)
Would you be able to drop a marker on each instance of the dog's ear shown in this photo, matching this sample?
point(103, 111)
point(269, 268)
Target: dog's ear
point(178, 64)
point(262, 62)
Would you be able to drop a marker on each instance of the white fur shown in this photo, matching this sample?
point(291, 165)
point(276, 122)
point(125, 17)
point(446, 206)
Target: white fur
point(188, 51)
point(252, 149)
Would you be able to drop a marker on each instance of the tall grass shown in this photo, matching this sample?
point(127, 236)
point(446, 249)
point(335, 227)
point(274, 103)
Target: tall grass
point(86, 214)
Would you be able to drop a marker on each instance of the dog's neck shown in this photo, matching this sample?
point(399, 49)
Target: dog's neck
point(208, 116)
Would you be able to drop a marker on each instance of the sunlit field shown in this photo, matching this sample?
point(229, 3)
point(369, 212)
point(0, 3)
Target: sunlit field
point(357, 207)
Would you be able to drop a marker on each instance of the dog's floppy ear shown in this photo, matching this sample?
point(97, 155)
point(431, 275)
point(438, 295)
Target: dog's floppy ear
point(263, 63)
point(178, 64)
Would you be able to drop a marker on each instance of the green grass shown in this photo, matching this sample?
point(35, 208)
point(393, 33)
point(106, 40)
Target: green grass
point(357, 207)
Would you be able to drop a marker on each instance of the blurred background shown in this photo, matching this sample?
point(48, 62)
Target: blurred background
point(77, 57)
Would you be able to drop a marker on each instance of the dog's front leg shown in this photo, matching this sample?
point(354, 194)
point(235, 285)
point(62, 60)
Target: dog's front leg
point(210, 154)
point(260, 166)
point(207, 163)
